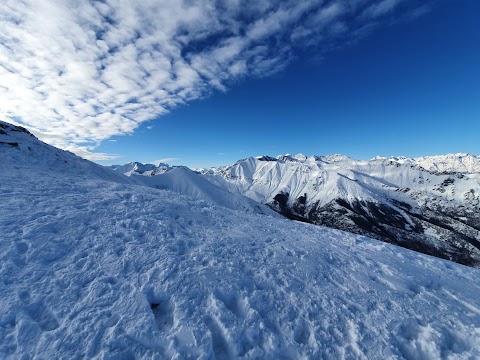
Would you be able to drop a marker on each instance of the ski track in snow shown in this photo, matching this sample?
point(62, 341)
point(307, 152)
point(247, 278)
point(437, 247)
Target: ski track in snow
point(98, 269)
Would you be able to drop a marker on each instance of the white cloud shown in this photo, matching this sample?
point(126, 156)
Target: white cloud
point(381, 8)
point(86, 152)
point(78, 72)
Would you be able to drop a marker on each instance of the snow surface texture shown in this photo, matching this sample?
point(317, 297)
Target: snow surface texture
point(395, 200)
point(101, 269)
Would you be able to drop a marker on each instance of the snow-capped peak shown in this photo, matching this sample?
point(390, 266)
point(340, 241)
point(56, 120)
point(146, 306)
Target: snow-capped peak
point(334, 158)
point(141, 169)
point(301, 158)
point(450, 163)
point(265, 158)
point(293, 157)
point(460, 162)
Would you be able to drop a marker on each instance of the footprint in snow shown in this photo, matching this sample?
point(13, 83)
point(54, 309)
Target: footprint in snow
point(236, 304)
point(39, 313)
point(22, 247)
point(163, 311)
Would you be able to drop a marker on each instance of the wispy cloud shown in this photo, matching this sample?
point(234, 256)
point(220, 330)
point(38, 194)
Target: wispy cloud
point(79, 72)
point(381, 8)
point(165, 161)
point(88, 153)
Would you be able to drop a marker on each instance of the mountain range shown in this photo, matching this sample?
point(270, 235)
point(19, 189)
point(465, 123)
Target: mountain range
point(427, 204)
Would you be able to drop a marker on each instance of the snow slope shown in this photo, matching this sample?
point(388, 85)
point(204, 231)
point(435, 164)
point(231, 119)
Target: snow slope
point(104, 269)
point(395, 200)
point(184, 181)
point(18, 147)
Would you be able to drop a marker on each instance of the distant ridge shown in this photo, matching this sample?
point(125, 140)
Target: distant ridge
point(428, 204)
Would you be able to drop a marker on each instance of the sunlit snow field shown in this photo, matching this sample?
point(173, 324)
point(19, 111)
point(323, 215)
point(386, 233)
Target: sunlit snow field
point(95, 266)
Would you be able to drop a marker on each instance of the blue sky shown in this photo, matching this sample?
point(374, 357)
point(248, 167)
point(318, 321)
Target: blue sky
point(257, 79)
point(412, 88)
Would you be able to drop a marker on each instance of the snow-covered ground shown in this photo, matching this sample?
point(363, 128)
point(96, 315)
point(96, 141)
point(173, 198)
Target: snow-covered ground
point(94, 268)
point(98, 267)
